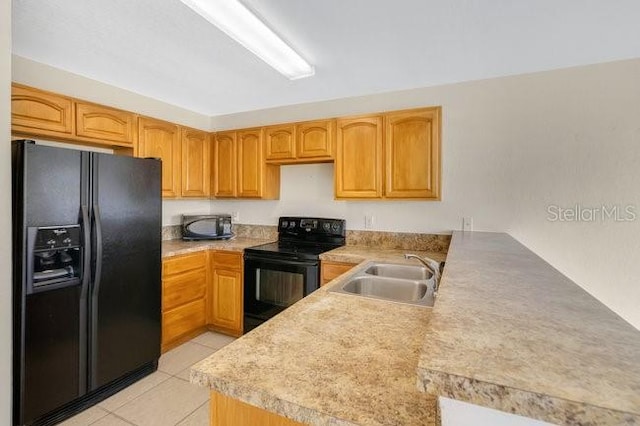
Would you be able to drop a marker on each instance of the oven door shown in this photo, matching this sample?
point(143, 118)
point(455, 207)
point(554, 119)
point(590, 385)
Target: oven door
point(272, 285)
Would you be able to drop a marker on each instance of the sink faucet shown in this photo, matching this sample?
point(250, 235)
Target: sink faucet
point(431, 265)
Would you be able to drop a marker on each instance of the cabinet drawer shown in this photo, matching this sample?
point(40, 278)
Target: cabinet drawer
point(227, 259)
point(183, 288)
point(180, 264)
point(182, 320)
point(331, 270)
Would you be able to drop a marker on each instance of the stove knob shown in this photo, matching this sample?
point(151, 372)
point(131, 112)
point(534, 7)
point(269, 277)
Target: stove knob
point(284, 223)
point(326, 226)
point(292, 224)
point(335, 227)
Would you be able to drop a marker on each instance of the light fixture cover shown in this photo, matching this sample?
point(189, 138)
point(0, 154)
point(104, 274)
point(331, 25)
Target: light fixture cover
point(234, 19)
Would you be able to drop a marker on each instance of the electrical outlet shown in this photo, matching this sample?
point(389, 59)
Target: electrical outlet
point(368, 221)
point(467, 224)
point(235, 216)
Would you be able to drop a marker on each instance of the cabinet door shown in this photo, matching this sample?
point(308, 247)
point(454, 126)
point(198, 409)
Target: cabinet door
point(103, 123)
point(160, 139)
point(226, 299)
point(184, 320)
point(316, 139)
point(280, 142)
point(224, 160)
point(250, 163)
point(36, 112)
point(358, 169)
point(195, 163)
point(412, 154)
point(331, 270)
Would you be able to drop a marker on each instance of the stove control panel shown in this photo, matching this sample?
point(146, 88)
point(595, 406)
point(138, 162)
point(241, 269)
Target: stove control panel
point(312, 225)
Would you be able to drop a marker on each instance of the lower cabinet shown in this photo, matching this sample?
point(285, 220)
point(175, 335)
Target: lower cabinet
point(201, 290)
point(226, 293)
point(331, 270)
point(228, 411)
point(184, 303)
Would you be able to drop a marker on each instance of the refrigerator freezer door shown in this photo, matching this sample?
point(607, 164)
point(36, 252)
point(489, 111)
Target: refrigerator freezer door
point(49, 342)
point(125, 297)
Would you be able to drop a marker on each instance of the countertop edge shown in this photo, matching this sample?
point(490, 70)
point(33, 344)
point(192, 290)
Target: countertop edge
point(266, 401)
point(518, 401)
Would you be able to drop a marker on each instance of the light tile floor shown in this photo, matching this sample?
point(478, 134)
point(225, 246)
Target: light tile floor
point(164, 398)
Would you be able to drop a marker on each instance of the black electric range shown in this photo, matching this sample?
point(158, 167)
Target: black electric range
point(280, 273)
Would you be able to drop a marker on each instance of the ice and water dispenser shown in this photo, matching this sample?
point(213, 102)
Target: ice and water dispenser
point(54, 258)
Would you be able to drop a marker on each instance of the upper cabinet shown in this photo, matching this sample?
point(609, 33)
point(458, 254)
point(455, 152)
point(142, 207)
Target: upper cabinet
point(412, 154)
point(306, 142)
point(393, 155)
point(223, 179)
point(281, 143)
point(250, 163)
point(103, 123)
point(195, 163)
point(36, 112)
point(160, 139)
point(315, 140)
point(358, 169)
point(240, 169)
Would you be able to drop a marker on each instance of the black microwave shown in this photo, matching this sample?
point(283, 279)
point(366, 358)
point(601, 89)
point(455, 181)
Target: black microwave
point(206, 227)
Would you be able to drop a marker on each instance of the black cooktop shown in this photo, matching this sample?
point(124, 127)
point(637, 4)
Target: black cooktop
point(303, 238)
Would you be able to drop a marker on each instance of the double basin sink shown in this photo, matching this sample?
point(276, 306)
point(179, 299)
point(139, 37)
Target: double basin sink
point(400, 283)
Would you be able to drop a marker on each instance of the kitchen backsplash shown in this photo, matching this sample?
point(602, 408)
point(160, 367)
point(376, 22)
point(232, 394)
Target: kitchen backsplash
point(384, 240)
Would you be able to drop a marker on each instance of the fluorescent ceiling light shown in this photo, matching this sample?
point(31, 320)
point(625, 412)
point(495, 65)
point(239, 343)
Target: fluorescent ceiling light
point(233, 18)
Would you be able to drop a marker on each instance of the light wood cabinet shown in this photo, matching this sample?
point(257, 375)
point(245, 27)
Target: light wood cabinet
point(160, 139)
point(280, 142)
point(225, 297)
point(315, 140)
point(184, 302)
point(393, 155)
point(196, 161)
point(358, 168)
point(240, 170)
point(412, 154)
point(331, 270)
point(250, 163)
point(101, 123)
point(226, 411)
point(36, 112)
point(300, 143)
point(224, 160)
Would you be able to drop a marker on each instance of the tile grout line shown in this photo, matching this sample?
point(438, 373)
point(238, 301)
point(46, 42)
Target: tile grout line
point(196, 409)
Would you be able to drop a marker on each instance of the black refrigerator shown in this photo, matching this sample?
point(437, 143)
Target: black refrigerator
point(87, 289)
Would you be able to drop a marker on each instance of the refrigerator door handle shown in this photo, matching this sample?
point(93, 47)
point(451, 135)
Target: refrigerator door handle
point(84, 292)
point(93, 367)
point(98, 266)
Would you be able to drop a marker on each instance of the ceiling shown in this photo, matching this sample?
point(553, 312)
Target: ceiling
point(164, 50)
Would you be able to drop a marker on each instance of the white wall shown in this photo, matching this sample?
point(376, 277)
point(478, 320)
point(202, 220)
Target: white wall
point(511, 147)
point(458, 413)
point(45, 77)
point(5, 213)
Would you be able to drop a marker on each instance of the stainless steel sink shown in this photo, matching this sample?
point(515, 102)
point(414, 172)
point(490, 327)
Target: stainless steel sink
point(409, 272)
point(406, 284)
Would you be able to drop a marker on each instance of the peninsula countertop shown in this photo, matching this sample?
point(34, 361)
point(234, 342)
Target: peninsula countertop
point(507, 331)
point(329, 359)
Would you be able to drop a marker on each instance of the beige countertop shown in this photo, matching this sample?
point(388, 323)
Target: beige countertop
point(510, 332)
point(178, 247)
point(330, 359)
point(507, 331)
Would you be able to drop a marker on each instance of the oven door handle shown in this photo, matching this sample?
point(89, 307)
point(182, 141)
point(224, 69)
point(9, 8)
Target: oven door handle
point(282, 261)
